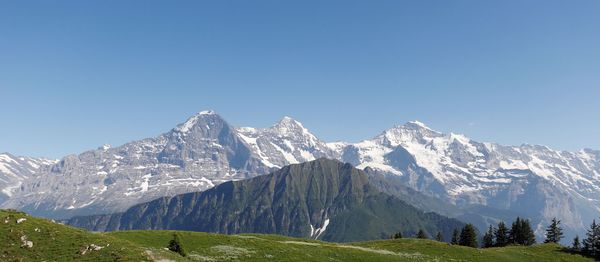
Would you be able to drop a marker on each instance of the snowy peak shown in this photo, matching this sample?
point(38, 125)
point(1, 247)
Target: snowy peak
point(196, 120)
point(463, 171)
point(413, 131)
point(288, 125)
point(201, 152)
point(416, 124)
point(287, 120)
point(286, 142)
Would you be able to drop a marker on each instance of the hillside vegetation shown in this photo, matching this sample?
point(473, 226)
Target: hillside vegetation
point(26, 238)
point(256, 247)
point(56, 242)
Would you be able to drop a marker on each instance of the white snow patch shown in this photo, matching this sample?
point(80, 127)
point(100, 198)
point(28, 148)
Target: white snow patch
point(33, 164)
point(289, 145)
point(4, 169)
point(87, 204)
point(144, 184)
point(307, 156)
point(337, 146)
point(291, 159)
point(249, 140)
point(210, 183)
point(187, 126)
point(322, 229)
point(510, 164)
point(6, 158)
point(10, 189)
point(419, 123)
point(252, 141)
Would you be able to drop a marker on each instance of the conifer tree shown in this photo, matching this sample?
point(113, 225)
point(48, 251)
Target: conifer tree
point(521, 233)
point(554, 232)
point(421, 234)
point(529, 236)
point(455, 237)
point(591, 244)
point(515, 233)
point(501, 235)
point(488, 238)
point(439, 237)
point(576, 246)
point(397, 235)
point(468, 236)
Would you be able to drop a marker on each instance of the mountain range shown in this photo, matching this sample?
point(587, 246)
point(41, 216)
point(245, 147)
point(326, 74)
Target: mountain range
point(320, 199)
point(15, 170)
point(478, 181)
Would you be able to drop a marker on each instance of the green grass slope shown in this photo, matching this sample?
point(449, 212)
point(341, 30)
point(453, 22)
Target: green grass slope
point(56, 242)
point(444, 252)
point(50, 241)
point(256, 247)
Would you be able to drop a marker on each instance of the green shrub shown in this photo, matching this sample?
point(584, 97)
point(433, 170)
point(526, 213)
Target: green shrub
point(176, 246)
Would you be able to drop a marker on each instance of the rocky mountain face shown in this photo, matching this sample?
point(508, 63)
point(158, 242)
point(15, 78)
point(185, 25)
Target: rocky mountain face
point(14, 170)
point(287, 142)
point(488, 179)
point(194, 156)
point(321, 199)
point(527, 180)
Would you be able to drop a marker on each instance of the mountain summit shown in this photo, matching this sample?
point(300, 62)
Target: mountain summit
point(196, 120)
point(286, 142)
point(196, 155)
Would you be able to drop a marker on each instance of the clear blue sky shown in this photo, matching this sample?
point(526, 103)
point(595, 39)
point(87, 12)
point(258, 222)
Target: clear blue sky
point(77, 74)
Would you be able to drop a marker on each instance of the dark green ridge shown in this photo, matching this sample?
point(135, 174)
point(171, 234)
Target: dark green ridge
point(285, 202)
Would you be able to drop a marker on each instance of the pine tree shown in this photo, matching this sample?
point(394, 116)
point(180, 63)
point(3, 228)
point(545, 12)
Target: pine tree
point(554, 232)
point(455, 237)
point(439, 237)
point(521, 233)
point(468, 236)
point(501, 235)
point(488, 238)
point(421, 234)
point(576, 246)
point(515, 233)
point(591, 244)
point(529, 236)
point(176, 246)
point(397, 235)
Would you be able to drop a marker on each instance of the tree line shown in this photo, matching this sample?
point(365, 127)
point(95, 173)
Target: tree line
point(591, 243)
point(520, 233)
point(589, 247)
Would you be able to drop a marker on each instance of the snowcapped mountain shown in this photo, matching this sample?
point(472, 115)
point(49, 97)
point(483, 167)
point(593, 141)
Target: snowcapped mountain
point(196, 155)
point(527, 180)
point(534, 181)
point(287, 142)
point(14, 170)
